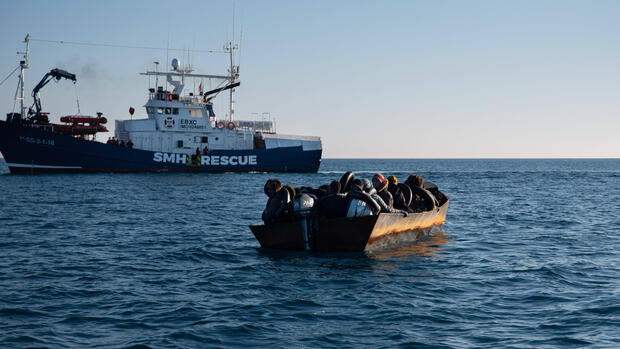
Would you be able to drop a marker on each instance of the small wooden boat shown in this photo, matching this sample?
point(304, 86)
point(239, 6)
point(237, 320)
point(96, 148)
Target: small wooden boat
point(349, 234)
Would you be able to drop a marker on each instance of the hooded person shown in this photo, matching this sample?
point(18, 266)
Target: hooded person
point(381, 184)
point(422, 199)
point(370, 190)
point(392, 184)
point(415, 180)
point(334, 204)
point(356, 185)
point(399, 197)
point(277, 207)
point(319, 193)
point(334, 188)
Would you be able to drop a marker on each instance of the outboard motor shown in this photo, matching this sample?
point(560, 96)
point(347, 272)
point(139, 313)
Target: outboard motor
point(303, 207)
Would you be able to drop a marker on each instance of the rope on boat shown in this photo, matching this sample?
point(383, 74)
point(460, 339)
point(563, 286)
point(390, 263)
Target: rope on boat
point(121, 46)
point(8, 76)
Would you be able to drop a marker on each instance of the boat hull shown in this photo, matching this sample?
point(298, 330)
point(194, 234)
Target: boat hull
point(36, 150)
point(351, 234)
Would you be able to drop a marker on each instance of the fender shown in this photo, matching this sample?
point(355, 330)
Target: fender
point(345, 181)
point(284, 205)
point(407, 193)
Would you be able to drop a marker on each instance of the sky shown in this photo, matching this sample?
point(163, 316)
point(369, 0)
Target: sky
point(373, 79)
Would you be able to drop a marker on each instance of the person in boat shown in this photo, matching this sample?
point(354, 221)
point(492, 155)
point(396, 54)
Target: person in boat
point(380, 184)
point(205, 150)
point(370, 190)
point(360, 203)
point(319, 193)
point(356, 185)
point(129, 144)
point(400, 201)
point(197, 151)
point(277, 208)
point(122, 143)
point(334, 204)
point(334, 188)
point(422, 199)
point(392, 184)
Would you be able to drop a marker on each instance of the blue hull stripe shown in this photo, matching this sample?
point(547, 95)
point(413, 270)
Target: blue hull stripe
point(31, 150)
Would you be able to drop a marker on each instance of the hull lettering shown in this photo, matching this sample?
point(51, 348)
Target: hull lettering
point(206, 160)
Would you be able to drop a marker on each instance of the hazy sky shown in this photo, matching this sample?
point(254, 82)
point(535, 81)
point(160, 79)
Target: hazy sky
point(405, 79)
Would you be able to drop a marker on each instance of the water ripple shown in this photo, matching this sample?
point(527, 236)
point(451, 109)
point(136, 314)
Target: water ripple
point(528, 258)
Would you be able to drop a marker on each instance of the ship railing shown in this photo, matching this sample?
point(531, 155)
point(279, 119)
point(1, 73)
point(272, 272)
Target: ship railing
point(191, 99)
point(256, 129)
point(256, 126)
point(168, 96)
point(44, 127)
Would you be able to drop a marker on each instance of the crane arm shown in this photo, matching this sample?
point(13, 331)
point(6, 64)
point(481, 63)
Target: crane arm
point(53, 74)
point(233, 85)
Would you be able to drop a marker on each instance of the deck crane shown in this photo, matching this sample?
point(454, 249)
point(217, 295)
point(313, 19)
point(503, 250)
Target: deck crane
point(52, 74)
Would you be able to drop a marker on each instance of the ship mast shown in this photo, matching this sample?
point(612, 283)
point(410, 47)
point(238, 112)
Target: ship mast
point(24, 65)
point(234, 74)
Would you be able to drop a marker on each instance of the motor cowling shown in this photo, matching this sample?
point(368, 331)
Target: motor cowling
point(304, 204)
point(303, 208)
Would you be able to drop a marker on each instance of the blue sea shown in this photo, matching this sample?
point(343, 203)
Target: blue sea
point(529, 258)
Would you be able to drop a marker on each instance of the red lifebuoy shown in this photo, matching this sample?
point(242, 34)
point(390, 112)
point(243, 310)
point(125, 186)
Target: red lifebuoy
point(231, 125)
point(220, 125)
point(169, 97)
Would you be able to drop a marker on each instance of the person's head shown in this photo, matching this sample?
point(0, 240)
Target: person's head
point(367, 185)
point(415, 180)
point(392, 180)
point(356, 185)
point(334, 187)
point(379, 182)
point(272, 187)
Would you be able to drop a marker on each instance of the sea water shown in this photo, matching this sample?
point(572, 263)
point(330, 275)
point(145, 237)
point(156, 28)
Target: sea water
point(529, 258)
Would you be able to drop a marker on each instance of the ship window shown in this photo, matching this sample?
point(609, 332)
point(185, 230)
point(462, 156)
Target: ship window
point(175, 111)
point(195, 113)
point(205, 139)
point(160, 110)
point(179, 144)
point(168, 110)
point(150, 110)
point(217, 139)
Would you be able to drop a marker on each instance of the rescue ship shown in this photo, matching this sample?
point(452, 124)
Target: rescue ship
point(180, 134)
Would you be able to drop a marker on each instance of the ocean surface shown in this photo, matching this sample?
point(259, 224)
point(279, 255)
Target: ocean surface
point(529, 258)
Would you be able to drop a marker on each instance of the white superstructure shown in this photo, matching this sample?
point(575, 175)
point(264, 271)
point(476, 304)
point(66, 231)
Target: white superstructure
point(183, 123)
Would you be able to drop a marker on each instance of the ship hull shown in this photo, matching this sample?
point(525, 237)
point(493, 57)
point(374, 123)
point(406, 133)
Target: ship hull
point(36, 150)
point(352, 234)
